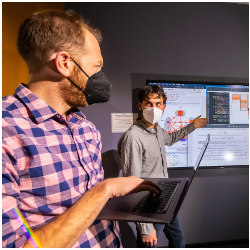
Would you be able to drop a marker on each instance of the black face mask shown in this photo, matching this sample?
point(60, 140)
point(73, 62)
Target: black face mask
point(97, 88)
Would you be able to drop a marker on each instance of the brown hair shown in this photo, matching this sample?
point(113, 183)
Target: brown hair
point(151, 89)
point(48, 31)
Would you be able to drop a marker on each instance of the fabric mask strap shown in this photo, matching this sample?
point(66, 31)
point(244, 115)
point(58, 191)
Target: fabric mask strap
point(83, 72)
point(79, 67)
point(77, 86)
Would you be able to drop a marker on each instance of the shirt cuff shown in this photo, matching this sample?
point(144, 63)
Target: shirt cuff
point(190, 127)
point(145, 228)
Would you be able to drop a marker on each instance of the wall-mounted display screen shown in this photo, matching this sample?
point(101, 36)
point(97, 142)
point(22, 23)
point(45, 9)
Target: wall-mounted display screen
point(227, 108)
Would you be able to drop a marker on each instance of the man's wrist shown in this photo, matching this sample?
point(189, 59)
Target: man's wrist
point(108, 188)
point(192, 125)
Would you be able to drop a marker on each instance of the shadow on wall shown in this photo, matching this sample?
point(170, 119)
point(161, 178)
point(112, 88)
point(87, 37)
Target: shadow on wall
point(128, 234)
point(111, 164)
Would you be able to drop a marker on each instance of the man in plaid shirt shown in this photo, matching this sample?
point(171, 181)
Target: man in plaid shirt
point(52, 170)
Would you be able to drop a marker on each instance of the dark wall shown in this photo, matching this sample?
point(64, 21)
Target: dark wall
point(204, 41)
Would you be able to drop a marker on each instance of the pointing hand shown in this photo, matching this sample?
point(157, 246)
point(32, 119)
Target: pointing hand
point(200, 122)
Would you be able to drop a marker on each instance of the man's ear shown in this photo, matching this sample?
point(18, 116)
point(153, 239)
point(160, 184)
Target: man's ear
point(63, 63)
point(139, 106)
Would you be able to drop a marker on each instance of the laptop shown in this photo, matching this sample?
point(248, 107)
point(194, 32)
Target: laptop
point(150, 208)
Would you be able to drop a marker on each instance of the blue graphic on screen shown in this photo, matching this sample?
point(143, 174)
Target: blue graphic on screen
point(227, 108)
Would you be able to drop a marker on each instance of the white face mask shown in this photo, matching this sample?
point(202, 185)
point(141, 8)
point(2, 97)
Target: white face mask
point(152, 115)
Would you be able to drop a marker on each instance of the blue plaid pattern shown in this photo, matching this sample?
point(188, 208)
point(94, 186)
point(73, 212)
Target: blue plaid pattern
point(48, 164)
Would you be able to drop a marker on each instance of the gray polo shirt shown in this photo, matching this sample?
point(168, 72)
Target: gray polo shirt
point(143, 154)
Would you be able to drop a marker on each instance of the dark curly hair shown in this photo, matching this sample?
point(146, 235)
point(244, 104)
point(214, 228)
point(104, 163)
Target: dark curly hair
point(151, 89)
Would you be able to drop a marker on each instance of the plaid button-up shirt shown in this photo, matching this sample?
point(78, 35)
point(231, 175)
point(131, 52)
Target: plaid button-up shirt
point(48, 164)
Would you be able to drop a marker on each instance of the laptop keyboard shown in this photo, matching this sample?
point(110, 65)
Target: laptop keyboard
point(159, 204)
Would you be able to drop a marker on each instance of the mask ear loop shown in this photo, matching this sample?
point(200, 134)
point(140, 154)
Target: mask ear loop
point(83, 72)
point(76, 86)
point(79, 67)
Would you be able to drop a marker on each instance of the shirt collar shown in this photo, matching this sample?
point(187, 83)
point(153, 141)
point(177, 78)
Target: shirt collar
point(38, 108)
point(143, 125)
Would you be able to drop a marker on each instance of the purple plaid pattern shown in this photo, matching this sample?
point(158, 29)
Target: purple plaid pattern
point(48, 164)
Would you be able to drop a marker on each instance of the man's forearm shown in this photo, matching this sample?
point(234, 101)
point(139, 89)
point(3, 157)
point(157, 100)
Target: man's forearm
point(68, 227)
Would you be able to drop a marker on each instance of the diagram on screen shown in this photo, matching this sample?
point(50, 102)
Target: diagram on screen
point(227, 108)
point(182, 106)
point(177, 122)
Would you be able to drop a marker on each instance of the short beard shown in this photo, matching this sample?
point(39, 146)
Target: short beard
point(72, 95)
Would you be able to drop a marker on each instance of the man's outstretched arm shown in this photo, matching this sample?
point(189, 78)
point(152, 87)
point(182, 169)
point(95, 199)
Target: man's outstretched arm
point(68, 227)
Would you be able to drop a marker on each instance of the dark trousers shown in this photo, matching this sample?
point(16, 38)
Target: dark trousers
point(173, 232)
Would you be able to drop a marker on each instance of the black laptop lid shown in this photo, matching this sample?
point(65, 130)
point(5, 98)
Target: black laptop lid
point(198, 161)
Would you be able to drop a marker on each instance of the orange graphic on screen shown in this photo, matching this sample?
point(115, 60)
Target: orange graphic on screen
point(177, 122)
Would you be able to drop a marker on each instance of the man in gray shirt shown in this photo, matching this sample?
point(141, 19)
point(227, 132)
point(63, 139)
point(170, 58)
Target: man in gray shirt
point(142, 150)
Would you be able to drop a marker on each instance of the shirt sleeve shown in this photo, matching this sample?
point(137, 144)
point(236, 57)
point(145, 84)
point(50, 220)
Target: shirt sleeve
point(131, 161)
point(171, 138)
point(145, 228)
point(13, 233)
point(131, 156)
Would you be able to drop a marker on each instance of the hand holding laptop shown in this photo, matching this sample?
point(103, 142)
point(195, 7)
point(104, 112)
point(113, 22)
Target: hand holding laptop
point(143, 207)
point(127, 185)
